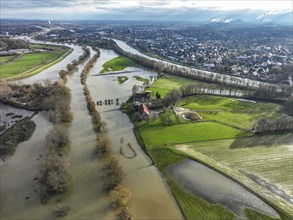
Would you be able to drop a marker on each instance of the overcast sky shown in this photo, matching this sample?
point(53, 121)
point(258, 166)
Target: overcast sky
point(133, 9)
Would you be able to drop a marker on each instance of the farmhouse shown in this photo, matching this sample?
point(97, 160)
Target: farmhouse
point(142, 96)
point(144, 111)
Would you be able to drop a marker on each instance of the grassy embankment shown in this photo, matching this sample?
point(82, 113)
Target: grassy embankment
point(117, 64)
point(160, 141)
point(138, 78)
point(31, 64)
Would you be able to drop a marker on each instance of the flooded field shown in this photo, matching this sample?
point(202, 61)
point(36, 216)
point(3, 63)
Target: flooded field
point(216, 188)
point(10, 115)
point(151, 199)
point(150, 196)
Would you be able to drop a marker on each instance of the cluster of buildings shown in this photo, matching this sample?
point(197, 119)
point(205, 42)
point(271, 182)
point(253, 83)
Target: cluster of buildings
point(251, 52)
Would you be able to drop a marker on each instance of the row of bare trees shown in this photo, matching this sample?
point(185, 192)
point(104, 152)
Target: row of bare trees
point(205, 76)
point(70, 67)
point(281, 123)
point(112, 172)
point(54, 175)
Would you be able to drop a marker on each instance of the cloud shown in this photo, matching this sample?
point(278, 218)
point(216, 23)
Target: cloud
point(222, 19)
point(132, 9)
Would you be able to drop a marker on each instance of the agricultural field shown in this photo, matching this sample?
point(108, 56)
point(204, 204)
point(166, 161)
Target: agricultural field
point(138, 78)
point(225, 142)
point(237, 112)
point(168, 82)
point(33, 63)
point(268, 157)
point(6, 59)
point(191, 132)
point(117, 64)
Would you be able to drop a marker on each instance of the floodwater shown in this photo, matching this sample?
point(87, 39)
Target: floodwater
point(10, 115)
point(151, 199)
point(19, 199)
point(52, 72)
point(217, 188)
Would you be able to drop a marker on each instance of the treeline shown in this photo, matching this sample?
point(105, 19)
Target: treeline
point(213, 89)
point(10, 44)
point(281, 123)
point(20, 132)
point(205, 76)
point(46, 96)
point(54, 175)
point(70, 67)
point(88, 66)
point(112, 172)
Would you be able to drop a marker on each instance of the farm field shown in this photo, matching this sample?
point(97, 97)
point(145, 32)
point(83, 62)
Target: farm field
point(30, 64)
point(168, 82)
point(117, 64)
point(219, 142)
point(268, 157)
point(5, 59)
point(230, 110)
point(138, 78)
point(191, 132)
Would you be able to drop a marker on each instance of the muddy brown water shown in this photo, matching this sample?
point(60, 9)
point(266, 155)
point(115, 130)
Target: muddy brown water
point(87, 199)
point(151, 198)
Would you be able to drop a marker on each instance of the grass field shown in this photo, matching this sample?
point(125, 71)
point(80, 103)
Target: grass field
point(184, 133)
point(6, 59)
point(269, 157)
point(24, 63)
point(166, 83)
point(230, 110)
point(33, 63)
point(138, 78)
point(117, 64)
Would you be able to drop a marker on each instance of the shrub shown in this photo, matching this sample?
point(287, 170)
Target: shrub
point(103, 147)
point(58, 137)
point(120, 195)
point(54, 175)
point(112, 173)
point(124, 214)
point(61, 211)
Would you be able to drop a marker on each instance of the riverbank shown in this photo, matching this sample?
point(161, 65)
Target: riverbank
point(33, 68)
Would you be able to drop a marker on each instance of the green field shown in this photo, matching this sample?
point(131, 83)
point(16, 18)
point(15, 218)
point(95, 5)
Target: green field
point(167, 82)
point(230, 110)
point(269, 157)
point(33, 63)
point(184, 133)
point(117, 64)
point(169, 138)
point(138, 78)
point(6, 59)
